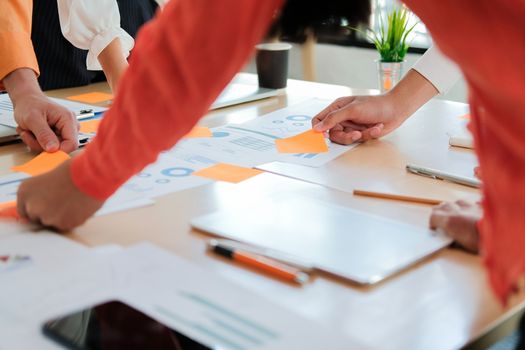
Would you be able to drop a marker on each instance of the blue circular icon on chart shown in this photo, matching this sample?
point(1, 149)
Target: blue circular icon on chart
point(162, 181)
point(177, 172)
point(143, 175)
point(277, 122)
point(298, 118)
point(220, 134)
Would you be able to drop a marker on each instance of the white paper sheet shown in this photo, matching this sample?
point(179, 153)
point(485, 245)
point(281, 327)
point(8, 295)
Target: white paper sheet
point(191, 300)
point(9, 186)
point(120, 201)
point(225, 316)
point(63, 276)
point(170, 173)
point(253, 143)
point(7, 116)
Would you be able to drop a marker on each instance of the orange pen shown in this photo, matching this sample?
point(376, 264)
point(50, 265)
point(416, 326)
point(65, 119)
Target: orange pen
point(279, 270)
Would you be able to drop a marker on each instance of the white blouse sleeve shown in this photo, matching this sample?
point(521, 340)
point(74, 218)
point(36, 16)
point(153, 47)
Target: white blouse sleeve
point(438, 69)
point(92, 25)
point(161, 3)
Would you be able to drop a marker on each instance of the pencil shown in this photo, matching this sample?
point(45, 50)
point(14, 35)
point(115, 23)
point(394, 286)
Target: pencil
point(398, 197)
point(269, 266)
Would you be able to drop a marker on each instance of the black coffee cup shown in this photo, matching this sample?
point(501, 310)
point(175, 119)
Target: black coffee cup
point(272, 64)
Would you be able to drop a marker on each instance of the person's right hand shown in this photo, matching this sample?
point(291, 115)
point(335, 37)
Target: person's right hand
point(459, 221)
point(361, 118)
point(44, 125)
point(54, 201)
point(358, 118)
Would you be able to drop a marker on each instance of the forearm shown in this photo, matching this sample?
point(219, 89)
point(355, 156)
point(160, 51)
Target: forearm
point(20, 83)
point(412, 92)
point(16, 48)
point(177, 71)
point(113, 63)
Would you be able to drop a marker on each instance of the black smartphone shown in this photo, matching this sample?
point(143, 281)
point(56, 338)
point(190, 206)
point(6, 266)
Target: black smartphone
point(115, 325)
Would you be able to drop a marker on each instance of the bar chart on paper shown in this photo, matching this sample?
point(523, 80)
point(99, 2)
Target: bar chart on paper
point(253, 143)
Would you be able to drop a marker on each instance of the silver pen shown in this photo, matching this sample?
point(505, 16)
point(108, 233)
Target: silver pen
point(440, 175)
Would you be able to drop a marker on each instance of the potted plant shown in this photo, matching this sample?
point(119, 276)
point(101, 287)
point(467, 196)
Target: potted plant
point(391, 43)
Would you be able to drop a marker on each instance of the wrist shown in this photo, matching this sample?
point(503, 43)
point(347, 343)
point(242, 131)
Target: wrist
point(412, 92)
point(113, 63)
point(396, 106)
point(21, 83)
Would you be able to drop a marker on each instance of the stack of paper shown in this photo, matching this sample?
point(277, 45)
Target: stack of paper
point(64, 277)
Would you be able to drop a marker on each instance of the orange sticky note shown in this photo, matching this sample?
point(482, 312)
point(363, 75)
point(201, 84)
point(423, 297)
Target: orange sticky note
point(198, 131)
point(91, 97)
point(42, 163)
point(89, 126)
point(307, 142)
point(228, 173)
point(8, 210)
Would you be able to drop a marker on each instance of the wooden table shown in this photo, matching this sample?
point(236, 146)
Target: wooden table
point(441, 303)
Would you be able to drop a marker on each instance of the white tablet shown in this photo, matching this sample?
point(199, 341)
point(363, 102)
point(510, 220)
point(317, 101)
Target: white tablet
point(340, 241)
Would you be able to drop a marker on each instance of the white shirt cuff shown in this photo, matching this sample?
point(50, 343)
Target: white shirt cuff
point(102, 40)
point(438, 69)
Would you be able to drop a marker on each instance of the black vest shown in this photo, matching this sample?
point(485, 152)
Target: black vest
point(61, 64)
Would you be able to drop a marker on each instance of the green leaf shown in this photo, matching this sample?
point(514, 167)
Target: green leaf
point(391, 40)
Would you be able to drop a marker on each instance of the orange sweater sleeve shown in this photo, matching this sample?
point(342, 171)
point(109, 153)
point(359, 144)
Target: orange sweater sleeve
point(16, 48)
point(182, 61)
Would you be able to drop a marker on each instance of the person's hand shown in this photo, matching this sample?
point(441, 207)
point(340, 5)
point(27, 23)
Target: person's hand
point(358, 118)
point(42, 124)
point(361, 118)
point(459, 221)
point(52, 200)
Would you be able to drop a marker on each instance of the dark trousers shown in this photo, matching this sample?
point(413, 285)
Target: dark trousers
point(521, 343)
point(61, 64)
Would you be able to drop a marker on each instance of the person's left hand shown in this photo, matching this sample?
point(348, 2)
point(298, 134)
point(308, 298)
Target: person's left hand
point(53, 200)
point(459, 221)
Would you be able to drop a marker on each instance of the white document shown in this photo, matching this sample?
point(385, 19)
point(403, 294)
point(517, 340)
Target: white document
point(224, 316)
point(7, 116)
point(120, 201)
point(253, 143)
point(9, 186)
point(171, 172)
point(60, 277)
point(191, 300)
point(291, 121)
point(46, 250)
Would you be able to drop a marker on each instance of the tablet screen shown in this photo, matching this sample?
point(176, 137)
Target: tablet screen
point(115, 325)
